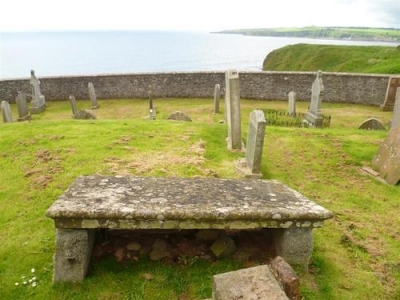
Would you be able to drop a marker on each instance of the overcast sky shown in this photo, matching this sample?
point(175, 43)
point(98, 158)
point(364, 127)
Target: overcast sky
point(199, 15)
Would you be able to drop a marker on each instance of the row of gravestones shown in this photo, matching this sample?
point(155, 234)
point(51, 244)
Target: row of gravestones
point(38, 103)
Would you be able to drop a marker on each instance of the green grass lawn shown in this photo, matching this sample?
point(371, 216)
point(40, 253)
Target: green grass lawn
point(356, 254)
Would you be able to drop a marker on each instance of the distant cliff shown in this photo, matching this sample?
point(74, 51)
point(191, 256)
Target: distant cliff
point(336, 33)
point(334, 58)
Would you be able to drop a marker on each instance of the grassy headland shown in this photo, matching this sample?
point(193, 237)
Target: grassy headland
point(335, 33)
point(356, 255)
point(334, 58)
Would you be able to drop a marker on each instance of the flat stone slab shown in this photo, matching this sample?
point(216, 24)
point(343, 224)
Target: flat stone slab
point(128, 202)
point(251, 283)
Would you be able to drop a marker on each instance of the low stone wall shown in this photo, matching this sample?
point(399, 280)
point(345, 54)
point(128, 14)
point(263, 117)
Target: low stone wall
point(339, 87)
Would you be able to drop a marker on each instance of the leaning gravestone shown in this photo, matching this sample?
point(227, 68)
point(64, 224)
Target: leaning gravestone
point(372, 124)
point(72, 100)
point(38, 103)
point(396, 111)
point(393, 84)
point(387, 159)
point(92, 96)
point(314, 115)
point(23, 111)
point(292, 104)
point(6, 111)
point(232, 109)
point(251, 165)
point(217, 95)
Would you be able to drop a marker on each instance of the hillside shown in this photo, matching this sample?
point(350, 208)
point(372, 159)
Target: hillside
point(336, 33)
point(334, 58)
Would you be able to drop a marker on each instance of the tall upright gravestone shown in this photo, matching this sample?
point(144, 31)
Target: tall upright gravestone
point(217, 95)
point(6, 112)
point(396, 111)
point(38, 103)
point(232, 109)
point(23, 112)
point(314, 115)
point(251, 165)
point(292, 104)
point(393, 84)
point(92, 96)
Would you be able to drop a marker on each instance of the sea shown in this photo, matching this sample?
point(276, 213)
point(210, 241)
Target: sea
point(110, 52)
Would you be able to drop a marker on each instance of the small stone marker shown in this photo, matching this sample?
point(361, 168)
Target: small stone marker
point(232, 109)
point(251, 283)
point(387, 159)
point(396, 111)
point(6, 111)
point(251, 165)
point(73, 105)
point(314, 115)
point(23, 112)
point(372, 124)
point(292, 104)
point(84, 115)
point(217, 95)
point(393, 84)
point(38, 103)
point(92, 96)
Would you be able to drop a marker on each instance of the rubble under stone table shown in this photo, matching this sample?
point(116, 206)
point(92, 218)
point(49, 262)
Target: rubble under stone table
point(128, 202)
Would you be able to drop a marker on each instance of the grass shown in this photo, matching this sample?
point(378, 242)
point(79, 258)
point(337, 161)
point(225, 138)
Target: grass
point(356, 255)
point(334, 58)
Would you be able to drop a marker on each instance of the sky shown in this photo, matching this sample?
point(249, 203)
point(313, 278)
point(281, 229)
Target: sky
point(194, 15)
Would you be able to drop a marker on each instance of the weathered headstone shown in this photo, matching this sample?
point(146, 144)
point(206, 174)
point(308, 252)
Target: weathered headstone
point(23, 112)
point(232, 109)
point(314, 115)
point(292, 104)
point(84, 115)
point(395, 122)
point(251, 165)
point(372, 124)
point(6, 111)
point(393, 84)
point(73, 105)
point(217, 95)
point(38, 103)
point(387, 159)
point(179, 116)
point(92, 96)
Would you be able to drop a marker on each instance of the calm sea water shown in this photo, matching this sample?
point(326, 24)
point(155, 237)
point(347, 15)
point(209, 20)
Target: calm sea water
point(76, 53)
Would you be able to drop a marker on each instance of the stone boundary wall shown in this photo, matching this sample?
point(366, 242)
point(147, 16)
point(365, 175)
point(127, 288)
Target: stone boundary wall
point(339, 87)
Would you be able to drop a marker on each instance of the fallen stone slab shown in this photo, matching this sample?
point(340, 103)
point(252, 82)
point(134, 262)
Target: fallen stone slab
point(251, 283)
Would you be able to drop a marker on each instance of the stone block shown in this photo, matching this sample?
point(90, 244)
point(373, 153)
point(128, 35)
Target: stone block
point(294, 245)
point(286, 277)
point(73, 252)
point(251, 283)
point(223, 247)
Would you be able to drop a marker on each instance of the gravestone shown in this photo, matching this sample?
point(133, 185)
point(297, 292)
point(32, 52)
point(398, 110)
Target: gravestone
point(217, 95)
point(6, 111)
point(314, 115)
point(152, 112)
point(92, 96)
point(23, 111)
point(395, 122)
point(372, 124)
point(387, 159)
point(84, 115)
point(251, 165)
point(179, 116)
point(73, 105)
point(38, 103)
point(292, 104)
point(393, 84)
point(232, 109)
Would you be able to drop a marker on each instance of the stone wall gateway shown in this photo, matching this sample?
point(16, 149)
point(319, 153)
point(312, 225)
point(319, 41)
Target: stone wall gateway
point(367, 89)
